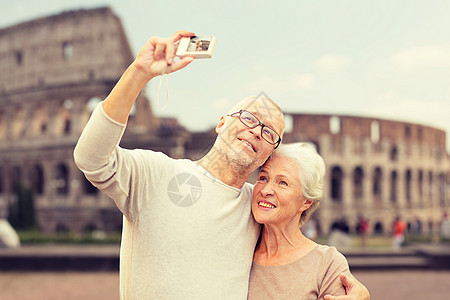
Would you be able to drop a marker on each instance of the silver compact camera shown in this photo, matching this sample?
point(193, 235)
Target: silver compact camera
point(201, 46)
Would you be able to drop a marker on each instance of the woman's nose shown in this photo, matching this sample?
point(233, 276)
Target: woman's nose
point(267, 190)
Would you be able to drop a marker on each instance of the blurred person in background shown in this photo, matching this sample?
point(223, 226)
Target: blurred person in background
point(398, 233)
point(445, 227)
point(362, 229)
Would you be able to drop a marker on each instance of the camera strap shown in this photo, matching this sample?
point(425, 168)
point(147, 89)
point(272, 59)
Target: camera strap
point(167, 92)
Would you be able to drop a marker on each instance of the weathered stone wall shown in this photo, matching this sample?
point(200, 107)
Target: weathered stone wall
point(53, 71)
point(378, 169)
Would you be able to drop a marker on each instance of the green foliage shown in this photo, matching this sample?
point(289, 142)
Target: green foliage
point(21, 213)
point(37, 237)
point(416, 238)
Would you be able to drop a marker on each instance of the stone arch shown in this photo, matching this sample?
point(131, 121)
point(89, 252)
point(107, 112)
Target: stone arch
point(430, 185)
point(18, 54)
point(377, 185)
point(430, 226)
point(16, 178)
point(63, 121)
point(3, 124)
point(393, 187)
point(442, 189)
point(393, 155)
point(358, 180)
point(340, 224)
point(378, 228)
point(337, 176)
point(420, 180)
point(61, 179)
point(18, 123)
point(40, 120)
point(408, 184)
point(37, 179)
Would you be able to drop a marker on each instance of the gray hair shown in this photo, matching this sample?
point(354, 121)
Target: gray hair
point(312, 172)
point(246, 102)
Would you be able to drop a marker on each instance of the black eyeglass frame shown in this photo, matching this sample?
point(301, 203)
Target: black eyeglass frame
point(277, 143)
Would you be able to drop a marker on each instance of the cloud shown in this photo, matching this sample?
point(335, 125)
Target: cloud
point(421, 57)
point(331, 63)
point(264, 82)
point(287, 83)
point(303, 81)
point(393, 106)
point(221, 104)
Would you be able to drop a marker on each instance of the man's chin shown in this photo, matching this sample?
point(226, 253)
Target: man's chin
point(241, 160)
point(247, 164)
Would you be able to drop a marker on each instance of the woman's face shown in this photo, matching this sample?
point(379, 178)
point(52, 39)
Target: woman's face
point(277, 196)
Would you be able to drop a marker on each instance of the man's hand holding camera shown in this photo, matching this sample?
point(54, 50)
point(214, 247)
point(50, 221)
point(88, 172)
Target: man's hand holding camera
point(157, 57)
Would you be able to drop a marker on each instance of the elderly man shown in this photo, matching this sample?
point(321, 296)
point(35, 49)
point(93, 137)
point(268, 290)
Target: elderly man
point(194, 246)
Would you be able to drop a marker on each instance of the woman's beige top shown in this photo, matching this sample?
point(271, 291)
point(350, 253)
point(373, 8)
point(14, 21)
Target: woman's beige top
point(311, 277)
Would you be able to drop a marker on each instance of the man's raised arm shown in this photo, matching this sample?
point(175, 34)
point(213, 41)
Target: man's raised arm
point(155, 58)
point(99, 139)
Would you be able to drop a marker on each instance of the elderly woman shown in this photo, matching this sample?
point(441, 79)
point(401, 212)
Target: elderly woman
point(286, 264)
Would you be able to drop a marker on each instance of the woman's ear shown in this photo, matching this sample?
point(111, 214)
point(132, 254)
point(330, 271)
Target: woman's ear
point(306, 205)
point(220, 125)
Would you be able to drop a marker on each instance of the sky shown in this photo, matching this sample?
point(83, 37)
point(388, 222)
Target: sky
point(385, 59)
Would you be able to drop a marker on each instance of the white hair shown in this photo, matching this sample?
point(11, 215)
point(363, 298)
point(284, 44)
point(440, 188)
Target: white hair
point(312, 172)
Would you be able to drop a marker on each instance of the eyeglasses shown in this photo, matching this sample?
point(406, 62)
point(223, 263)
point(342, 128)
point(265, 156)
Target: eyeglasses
point(249, 120)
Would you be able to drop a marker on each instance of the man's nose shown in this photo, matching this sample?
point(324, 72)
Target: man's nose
point(256, 131)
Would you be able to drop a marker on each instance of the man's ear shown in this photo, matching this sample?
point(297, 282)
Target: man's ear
point(220, 125)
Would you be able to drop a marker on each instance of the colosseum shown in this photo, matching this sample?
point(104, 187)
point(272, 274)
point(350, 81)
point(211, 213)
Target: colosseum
point(378, 170)
point(55, 69)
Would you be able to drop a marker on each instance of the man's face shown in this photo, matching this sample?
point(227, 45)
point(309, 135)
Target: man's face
point(245, 146)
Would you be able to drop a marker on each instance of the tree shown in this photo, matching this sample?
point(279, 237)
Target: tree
point(22, 214)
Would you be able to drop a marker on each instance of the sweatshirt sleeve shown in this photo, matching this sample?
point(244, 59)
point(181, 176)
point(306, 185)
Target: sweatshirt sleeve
point(97, 141)
point(99, 157)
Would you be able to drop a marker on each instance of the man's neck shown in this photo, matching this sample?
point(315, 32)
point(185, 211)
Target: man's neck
point(227, 172)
